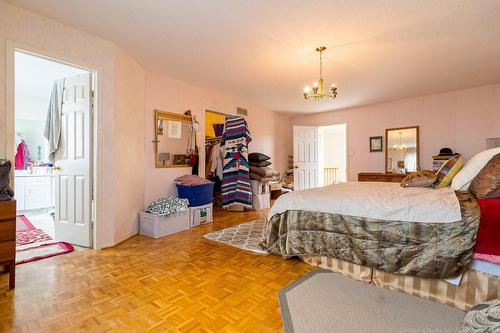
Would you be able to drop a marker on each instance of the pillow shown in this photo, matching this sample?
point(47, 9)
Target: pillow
point(259, 178)
point(421, 178)
point(448, 170)
point(261, 163)
point(470, 170)
point(258, 157)
point(263, 171)
point(487, 182)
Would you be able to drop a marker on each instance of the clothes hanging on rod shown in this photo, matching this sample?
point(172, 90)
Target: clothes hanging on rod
point(23, 157)
point(236, 188)
point(216, 161)
point(213, 157)
point(214, 164)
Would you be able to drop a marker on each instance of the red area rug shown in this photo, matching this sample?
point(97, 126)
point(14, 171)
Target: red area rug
point(42, 251)
point(23, 224)
point(34, 244)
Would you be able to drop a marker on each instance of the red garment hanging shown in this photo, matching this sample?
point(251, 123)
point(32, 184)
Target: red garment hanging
point(19, 160)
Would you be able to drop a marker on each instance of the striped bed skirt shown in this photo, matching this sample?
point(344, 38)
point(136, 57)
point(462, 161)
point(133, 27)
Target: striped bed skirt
point(474, 288)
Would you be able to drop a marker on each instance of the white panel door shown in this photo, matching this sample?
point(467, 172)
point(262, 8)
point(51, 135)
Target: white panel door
point(73, 181)
point(305, 157)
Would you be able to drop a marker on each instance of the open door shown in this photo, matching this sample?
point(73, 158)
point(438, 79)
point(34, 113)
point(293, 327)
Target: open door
point(305, 157)
point(73, 181)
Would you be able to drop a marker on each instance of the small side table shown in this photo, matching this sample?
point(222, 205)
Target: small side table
point(276, 190)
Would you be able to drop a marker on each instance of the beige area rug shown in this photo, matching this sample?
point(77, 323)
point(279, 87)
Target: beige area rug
point(246, 236)
point(323, 301)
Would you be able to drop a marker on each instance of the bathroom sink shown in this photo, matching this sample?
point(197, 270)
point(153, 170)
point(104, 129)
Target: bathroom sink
point(34, 171)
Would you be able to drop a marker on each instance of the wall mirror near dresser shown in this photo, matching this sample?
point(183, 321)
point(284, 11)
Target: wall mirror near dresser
point(402, 150)
point(173, 133)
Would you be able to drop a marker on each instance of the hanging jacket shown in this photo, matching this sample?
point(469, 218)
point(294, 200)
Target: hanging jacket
point(23, 157)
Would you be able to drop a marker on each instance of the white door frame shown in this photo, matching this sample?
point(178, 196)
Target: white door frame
point(12, 47)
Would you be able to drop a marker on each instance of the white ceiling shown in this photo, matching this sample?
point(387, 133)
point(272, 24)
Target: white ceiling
point(264, 50)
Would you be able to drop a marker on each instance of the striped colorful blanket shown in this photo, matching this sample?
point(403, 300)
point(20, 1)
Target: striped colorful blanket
point(236, 187)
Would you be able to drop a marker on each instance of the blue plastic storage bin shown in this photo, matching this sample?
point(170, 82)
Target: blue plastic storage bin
point(197, 195)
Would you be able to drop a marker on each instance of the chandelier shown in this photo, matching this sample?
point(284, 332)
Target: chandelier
point(400, 146)
point(317, 91)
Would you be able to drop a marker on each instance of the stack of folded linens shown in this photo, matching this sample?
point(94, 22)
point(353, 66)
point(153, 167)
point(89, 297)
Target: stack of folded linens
point(259, 167)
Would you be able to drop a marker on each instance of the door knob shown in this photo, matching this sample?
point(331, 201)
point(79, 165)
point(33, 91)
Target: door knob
point(296, 167)
point(56, 168)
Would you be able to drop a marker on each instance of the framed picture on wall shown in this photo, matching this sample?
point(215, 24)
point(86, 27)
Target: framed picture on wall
point(376, 143)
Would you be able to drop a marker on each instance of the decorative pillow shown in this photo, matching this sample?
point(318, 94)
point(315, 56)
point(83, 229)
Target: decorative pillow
point(421, 178)
point(263, 171)
point(448, 170)
point(487, 182)
point(470, 170)
point(482, 318)
point(259, 178)
point(258, 157)
point(261, 163)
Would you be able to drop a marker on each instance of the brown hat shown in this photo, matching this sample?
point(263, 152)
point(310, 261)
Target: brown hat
point(445, 151)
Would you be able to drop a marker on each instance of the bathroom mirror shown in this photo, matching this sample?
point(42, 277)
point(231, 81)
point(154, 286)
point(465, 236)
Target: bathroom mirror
point(402, 149)
point(172, 133)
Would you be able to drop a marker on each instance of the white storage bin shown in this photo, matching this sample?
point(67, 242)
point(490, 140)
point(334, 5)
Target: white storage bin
point(200, 214)
point(261, 201)
point(155, 226)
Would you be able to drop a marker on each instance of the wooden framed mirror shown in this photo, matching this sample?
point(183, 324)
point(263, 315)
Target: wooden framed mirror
point(172, 134)
point(402, 149)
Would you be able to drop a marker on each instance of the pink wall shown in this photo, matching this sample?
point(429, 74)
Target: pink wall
point(119, 110)
point(461, 120)
point(271, 131)
point(128, 147)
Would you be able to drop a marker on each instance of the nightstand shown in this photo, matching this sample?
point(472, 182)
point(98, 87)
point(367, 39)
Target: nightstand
point(8, 239)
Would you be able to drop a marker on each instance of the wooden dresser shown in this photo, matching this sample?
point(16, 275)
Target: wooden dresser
point(8, 239)
point(380, 177)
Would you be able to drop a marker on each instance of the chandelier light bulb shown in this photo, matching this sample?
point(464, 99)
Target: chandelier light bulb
point(333, 85)
point(307, 89)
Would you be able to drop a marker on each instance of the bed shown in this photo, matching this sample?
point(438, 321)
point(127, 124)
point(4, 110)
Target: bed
point(405, 239)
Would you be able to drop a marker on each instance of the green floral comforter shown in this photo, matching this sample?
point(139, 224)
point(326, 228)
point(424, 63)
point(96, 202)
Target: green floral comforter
point(430, 250)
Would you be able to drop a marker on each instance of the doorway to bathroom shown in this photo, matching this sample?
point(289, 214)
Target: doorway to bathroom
point(53, 104)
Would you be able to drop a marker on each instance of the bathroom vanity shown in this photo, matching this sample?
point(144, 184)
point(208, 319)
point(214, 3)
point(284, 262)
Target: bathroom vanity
point(33, 191)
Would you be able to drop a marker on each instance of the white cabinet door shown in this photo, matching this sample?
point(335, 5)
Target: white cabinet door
point(19, 192)
point(37, 192)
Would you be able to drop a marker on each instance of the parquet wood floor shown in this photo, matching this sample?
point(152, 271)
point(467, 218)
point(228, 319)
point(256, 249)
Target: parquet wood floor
point(179, 283)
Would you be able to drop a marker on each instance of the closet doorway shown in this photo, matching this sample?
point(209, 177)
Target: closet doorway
point(214, 126)
point(53, 108)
